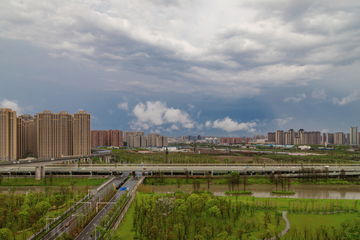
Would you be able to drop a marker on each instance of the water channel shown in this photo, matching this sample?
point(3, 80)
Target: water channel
point(301, 191)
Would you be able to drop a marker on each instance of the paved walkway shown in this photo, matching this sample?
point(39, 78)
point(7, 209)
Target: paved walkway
point(285, 230)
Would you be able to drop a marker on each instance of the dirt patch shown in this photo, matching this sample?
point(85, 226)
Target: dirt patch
point(243, 159)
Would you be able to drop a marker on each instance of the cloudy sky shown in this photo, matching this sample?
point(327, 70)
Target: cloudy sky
point(179, 67)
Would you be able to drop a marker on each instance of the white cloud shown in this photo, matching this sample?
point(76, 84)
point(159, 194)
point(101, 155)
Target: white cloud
point(326, 130)
point(319, 94)
point(282, 121)
point(12, 105)
point(157, 113)
point(208, 124)
point(191, 107)
point(110, 111)
point(351, 98)
point(200, 126)
point(229, 125)
point(296, 99)
point(123, 106)
point(198, 114)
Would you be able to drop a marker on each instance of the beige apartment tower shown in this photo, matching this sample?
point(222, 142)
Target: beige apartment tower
point(81, 133)
point(8, 134)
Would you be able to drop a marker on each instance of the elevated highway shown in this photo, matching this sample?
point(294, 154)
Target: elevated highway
point(174, 169)
point(39, 164)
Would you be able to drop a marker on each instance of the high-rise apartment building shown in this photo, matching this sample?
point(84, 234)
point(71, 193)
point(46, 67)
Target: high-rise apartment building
point(347, 138)
point(151, 139)
point(279, 137)
point(81, 133)
point(329, 138)
point(227, 140)
point(45, 135)
point(339, 138)
point(301, 137)
point(129, 133)
point(8, 134)
point(353, 135)
point(247, 140)
point(237, 140)
point(271, 137)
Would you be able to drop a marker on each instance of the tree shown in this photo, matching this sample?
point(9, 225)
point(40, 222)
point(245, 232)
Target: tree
point(187, 175)
point(1, 178)
point(245, 180)
point(239, 233)
point(199, 237)
point(5, 234)
point(208, 179)
point(178, 182)
point(51, 179)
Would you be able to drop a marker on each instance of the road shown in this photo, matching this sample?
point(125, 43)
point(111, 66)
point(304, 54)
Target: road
point(71, 220)
point(85, 234)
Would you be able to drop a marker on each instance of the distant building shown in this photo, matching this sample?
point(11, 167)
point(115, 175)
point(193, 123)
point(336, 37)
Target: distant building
point(271, 137)
point(354, 135)
point(329, 138)
point(279, 137)
point(106, 138)
point(339, 138)
point(237, 140)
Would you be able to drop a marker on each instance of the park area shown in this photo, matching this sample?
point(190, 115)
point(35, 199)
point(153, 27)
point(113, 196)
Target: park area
point(201, 215)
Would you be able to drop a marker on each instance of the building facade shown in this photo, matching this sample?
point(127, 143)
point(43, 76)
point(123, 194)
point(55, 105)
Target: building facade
point(354, 135)
point(8, 135)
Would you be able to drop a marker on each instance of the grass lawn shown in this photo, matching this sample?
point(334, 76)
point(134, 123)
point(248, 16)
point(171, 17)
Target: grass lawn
point(21, 237)
point(124, 229)
point(314, 221)
point(55, 182)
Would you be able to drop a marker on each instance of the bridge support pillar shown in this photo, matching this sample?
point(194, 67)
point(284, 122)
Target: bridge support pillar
point(39, 172)
point(90, 173)
point(192, 173)
point(171, 173)
point(107, 159)
point(212, 173)
point(101, 159)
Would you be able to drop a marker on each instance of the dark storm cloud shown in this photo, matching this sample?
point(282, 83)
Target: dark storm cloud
point(201, 49)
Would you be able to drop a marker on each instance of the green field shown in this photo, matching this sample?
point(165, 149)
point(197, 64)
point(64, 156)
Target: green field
point(311, 223)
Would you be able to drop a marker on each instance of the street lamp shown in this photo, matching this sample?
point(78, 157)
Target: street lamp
point(95, 231)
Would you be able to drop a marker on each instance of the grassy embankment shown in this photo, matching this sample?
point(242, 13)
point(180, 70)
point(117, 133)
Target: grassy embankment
point(55, 182)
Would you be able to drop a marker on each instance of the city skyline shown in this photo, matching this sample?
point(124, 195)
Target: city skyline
point(166, 67)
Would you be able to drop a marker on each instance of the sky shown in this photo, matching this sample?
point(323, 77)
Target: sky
point(189, 67)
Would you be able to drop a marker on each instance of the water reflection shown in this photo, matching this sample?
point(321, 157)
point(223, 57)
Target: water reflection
point(301, 191)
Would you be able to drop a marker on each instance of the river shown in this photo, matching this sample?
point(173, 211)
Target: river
point(301, 191)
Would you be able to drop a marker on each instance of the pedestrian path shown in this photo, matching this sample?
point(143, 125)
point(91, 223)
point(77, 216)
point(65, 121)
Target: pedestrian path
point(287, 228)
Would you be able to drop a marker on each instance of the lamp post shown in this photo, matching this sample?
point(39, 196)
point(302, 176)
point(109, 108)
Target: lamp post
point(95, 231)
